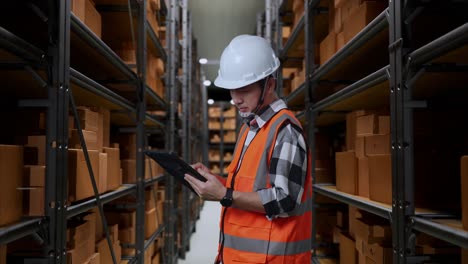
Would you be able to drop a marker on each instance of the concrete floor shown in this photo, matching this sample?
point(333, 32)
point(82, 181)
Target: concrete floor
point(204, 242)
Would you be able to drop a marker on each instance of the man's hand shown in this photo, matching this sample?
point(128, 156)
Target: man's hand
point(211, 190)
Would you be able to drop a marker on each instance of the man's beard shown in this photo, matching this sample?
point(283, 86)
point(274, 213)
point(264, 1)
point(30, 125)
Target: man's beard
point(247, 117)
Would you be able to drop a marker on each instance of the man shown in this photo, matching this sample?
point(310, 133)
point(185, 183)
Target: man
point(266, 198)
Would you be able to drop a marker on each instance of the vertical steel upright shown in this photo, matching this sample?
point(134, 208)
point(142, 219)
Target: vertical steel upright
point(140, 133)
point(171, 68)
point(268, 13)
point(309, 13)
point(185, 127)
point(205, 131)
point(57, 129)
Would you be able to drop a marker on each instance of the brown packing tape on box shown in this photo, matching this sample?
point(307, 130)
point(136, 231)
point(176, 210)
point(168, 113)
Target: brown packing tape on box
point(11, 178)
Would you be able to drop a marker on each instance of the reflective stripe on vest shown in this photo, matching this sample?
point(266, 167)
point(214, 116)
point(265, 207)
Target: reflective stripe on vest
point(262, 246)
point(252, 234)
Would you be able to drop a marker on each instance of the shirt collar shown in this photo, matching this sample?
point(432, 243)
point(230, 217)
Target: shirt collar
point(267, 113)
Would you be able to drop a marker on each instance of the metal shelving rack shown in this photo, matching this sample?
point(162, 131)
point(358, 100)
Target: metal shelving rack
point(62, 38)
point(391, 80)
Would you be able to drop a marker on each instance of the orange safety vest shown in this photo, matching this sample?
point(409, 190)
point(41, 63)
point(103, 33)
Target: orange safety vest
point(249, 237)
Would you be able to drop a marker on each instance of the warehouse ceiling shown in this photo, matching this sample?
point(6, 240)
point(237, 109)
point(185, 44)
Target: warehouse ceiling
point(215, 23)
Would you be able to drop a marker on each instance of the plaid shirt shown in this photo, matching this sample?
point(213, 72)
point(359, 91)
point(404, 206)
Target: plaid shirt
point(288, 164)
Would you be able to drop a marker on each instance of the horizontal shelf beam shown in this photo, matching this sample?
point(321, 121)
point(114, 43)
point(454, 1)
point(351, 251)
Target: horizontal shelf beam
point(353, 200)
point(18, 230)
point(452, 235)
point(371, 30)
point(84, 32)
point(101, 91)
point(19, 47)
point(448, 42)
point(105, 198)
point(157, 42)
point(292, 38)
point(159, 178)
point(355, 88)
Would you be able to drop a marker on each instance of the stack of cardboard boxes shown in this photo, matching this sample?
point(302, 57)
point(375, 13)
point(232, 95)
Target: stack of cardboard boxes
point(105, 161)
point(364, 169)
point(346, 19)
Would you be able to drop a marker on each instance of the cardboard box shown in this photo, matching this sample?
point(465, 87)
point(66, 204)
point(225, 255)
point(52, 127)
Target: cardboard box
point(380, 178)
point(103, 130)
point(346, 172)
point(373, 230)
point(363, 177)
point(464, 190)
point(34, 201)
point(337, 23)
point(11, 178)
point(102, 247)
point(464, 256)
point(377, 145)
point(151, 223)
point(156, 258)
point(327, 47)
point(89, 120)
point(379, 253)
point(127, 143)
point(90, 138)
point(340, 41)
point(352, 211)
point(125, 219)
point(384, 125)
point(78, 8)
point(342, 219)
point(103, 172)
point(94, 259)
point(360, 147)
point(367, 125)
point(38, 142)
point(93, 18)
point(3, 254)
point(79, 181)
point(351, 128)
point(356, 19)
point(34, 176)
point(114, 178)
point(348, 253)
point(128, 171)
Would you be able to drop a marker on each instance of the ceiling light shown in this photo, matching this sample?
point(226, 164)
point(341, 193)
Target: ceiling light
point(232, 102)
point(202, 60)
point(210, 101)
point(207, 82)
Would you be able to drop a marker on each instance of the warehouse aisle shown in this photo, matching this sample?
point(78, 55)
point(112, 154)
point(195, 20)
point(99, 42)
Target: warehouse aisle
point(204, 242)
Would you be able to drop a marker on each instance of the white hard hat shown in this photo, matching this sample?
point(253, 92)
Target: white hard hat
point(245, 60)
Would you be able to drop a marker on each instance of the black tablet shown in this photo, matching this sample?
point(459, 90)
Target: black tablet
point(175, 166)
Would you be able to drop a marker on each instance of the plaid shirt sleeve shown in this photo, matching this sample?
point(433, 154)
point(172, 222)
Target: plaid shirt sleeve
point(288, 169)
